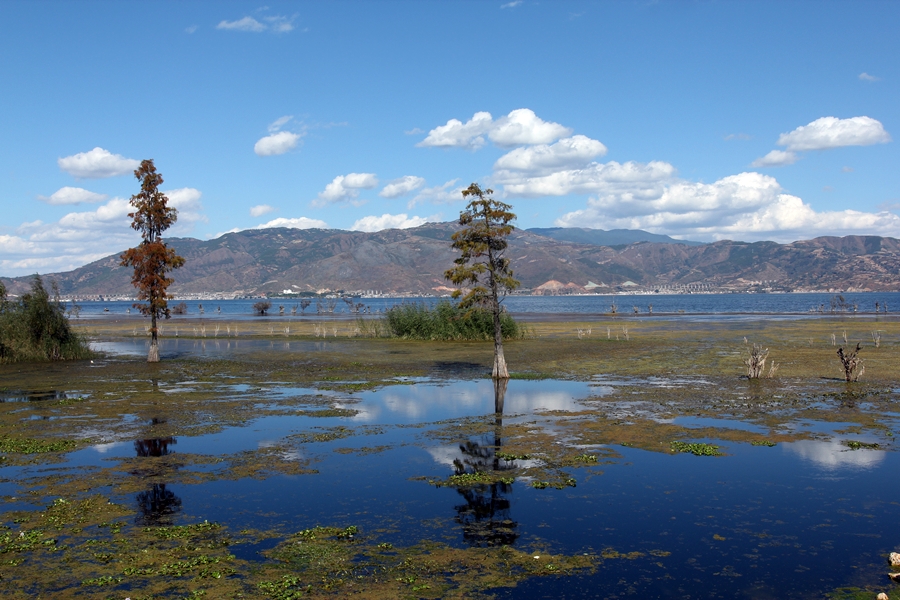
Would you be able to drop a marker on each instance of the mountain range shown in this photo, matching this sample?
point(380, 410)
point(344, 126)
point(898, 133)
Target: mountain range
point(546, 261)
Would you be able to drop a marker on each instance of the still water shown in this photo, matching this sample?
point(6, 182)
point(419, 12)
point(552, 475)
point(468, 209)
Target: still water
point(794, 520)
point(687, 304)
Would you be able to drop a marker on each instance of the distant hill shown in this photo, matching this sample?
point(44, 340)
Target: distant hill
point(601, 237)
point(413, 261)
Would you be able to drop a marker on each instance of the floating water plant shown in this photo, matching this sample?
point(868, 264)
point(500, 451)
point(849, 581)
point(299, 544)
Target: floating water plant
point(695, 448)
point(857, 445)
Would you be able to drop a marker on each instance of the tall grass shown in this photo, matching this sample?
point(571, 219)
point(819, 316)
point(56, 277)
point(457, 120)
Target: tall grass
point(35, 328)
point(446, 321)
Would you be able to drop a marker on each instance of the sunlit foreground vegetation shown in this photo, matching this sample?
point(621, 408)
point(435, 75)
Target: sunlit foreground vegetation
point(444, 321)
point(35, 328)
point(100, 531)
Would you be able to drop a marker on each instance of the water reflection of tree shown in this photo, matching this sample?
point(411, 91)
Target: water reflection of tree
point(485, 517)
point(154, 446)
point(156, 505)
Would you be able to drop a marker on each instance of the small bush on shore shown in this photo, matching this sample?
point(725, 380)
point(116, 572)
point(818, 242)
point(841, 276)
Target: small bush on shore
point(35, 328)
point(446, 321)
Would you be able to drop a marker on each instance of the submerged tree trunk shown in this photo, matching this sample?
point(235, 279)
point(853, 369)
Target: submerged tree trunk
point(500, 371)
point(153, 354)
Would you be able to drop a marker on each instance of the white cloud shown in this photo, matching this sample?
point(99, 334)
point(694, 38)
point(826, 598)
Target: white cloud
point(245, 24)
point(612, 177)
point(277, 124)
point(519, 127)
point(867, 77)
point(260, 210)
point(81, 237)
point(277, 143)
point(72, 195)
point(98, 163)
point(831, 132)
point(187, 202)
point(439, 194)
point(402, 186)
point(512, 4)
point(738, 136)
point(543, 159)
point(273, 24)
point(346, 187)
point(776, 158)
point(386, 221)
point(295, 223)
point(190, 29)
point(414, 131)
point(522, 126)
point(456, 134)
point(748, 206)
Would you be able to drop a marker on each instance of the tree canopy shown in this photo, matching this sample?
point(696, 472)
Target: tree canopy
point(482, 267)
point(152, 259)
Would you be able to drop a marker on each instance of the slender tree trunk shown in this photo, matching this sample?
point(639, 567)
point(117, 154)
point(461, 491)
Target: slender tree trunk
point(153, 354)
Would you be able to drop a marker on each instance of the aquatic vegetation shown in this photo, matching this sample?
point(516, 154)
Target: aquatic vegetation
point(447, 321)
point(16, 445)
point(857, 445)
point(695, 448)
point(767, 443)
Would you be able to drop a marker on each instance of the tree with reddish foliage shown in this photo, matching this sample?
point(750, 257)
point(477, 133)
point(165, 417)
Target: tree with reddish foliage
point(482, 265)
point(152, 259)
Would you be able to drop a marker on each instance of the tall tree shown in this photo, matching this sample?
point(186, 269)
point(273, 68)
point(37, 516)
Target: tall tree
point(482, 266)
point(152, 259)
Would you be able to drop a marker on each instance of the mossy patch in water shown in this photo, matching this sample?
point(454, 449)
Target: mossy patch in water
point(695, 448)
point(19, 445)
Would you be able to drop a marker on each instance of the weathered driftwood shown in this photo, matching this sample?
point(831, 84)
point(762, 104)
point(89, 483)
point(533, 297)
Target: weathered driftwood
point(853, 367)
point(756, 362)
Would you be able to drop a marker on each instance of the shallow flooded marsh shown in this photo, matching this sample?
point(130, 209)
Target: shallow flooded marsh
point(286, 467)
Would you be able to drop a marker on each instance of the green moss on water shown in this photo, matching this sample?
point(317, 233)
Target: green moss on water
point(695, 448)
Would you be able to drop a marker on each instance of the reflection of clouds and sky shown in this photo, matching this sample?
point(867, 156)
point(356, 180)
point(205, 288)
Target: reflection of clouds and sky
point(435, 402)
point(832, 454)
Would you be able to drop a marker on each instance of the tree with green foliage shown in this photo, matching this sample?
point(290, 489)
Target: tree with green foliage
point(152, 259)
point(35, 328)
point(482, 267)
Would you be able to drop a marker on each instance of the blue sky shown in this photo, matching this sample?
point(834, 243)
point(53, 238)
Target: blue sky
point(700, 120)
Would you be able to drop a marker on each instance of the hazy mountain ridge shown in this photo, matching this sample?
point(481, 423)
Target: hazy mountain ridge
point(414, 260)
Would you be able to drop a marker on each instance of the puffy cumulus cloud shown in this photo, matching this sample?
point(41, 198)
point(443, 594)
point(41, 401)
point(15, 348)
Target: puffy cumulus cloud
point(612, 177)
point(522, 126)
point(82, 237)
point(748, 206)
point(260, 210)
point(519, 127)
point(456, 134)
point(402, 186)
point(439, 194)
point(345, 188)
point(386, 221)
point(542, 159)
point(98, 163)
point(831, 132)
point(72, 195)
point(190, 210)
point(277, 143)
point(776, 158)
point(294, 223)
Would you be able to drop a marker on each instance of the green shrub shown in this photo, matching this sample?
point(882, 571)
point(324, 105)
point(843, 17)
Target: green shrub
point(35, 328)
point(446, 321)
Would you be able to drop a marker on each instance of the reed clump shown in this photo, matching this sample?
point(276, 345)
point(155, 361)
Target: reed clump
point(446, 321)
point(35, 328)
